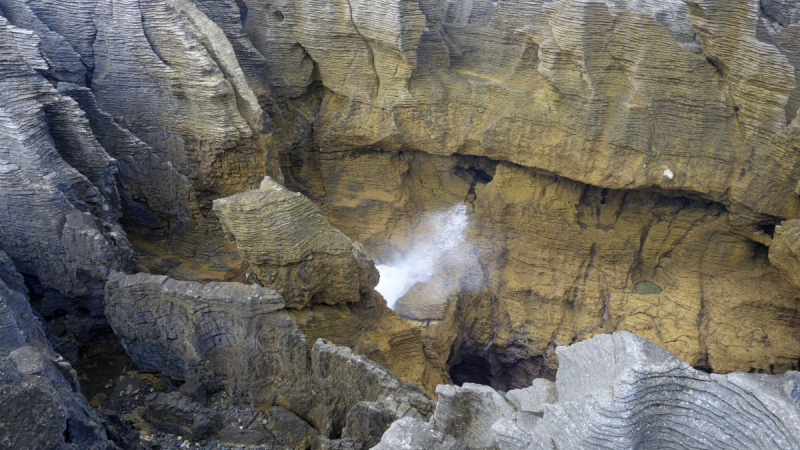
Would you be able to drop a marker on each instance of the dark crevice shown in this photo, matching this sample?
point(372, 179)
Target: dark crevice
point(772, 16)
point(243, 10)
point(500, 368)
point(767, 228)
point(717, 65)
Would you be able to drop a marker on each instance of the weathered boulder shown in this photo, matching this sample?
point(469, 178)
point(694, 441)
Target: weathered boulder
point(534, 397)
point(210, 332)
point(291, 430)
point(325, 278)
point(293, 249)
point(468, 413)
point(240, 338)
point(622, 391)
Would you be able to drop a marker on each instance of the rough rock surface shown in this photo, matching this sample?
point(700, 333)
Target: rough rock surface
point(410, 433)
point(621, 391)
point(42, 403)
point(366, 422)
point(784, 253)
point(294, 431)
point(179, 415)
point(551, 260)
point(240, 338)
point(468, 413)
point(651, 398)
point(623, 162)
point(293, 249)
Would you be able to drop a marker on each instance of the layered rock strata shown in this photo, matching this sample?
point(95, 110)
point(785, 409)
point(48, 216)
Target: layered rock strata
point(624, 164)
point(548, 260)
point(325, 277)
point(293, 249)
point(615, 391)
point(42, 403)
point(240, 338)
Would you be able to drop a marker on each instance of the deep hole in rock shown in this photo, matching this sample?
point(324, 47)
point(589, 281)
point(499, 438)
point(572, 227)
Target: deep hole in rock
point(767, 228)
point(503, 372)
point(471, 369)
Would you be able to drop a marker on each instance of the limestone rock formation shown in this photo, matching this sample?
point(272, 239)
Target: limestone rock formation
point(410, 433)
point(239, 337)
point(648, 397)
point(623, 165)
point(552, 261)
point(784, 253)
point(366, 422)
point(325, 277)
point(293, 249)
point(620, 391)
point(181, 416)
point(42, 403)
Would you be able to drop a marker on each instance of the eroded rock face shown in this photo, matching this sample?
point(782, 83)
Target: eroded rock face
point(650, 397)
point(325, 277)
point(239, 337)
point(293, 249)
point(551, 260)
point(621, 391)
point(623, 163)
point(42, 403)
point(572, 88)
point(784, 253)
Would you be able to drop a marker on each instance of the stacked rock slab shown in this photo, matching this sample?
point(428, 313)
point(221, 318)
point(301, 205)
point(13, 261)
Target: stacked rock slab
point(617, 391)
point(324, 278)
point(293, 249)
point(240, 338)
point(39, 393)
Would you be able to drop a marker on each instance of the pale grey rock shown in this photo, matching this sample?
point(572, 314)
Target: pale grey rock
point(533, 398)
point(468, 413)
point(413, 434)
point(514, 432)
point(178, 415)
point(621, 391)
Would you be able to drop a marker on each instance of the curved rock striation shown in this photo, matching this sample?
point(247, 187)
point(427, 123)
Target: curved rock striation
point(293, 249)
point(621, 391)
point(618, 391)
